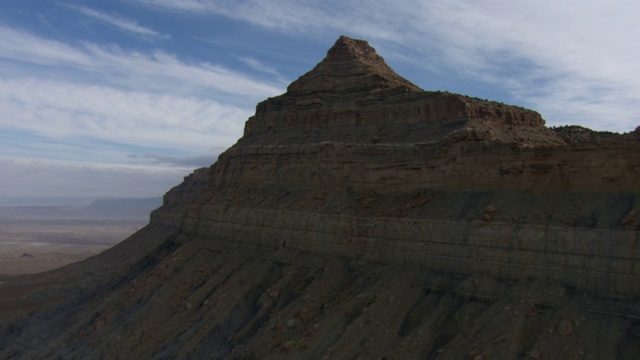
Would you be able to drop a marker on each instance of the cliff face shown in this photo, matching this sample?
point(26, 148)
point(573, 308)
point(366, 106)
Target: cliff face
point(355, 161)
point(362, 217)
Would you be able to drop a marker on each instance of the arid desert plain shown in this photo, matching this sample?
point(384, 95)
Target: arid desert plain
point(37, 239)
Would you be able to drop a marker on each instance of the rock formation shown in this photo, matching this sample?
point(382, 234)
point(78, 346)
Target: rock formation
point(360, 216)
point(355, 161)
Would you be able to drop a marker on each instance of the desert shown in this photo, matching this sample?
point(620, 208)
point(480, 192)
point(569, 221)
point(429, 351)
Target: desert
point(37, 238)
point(31, 244)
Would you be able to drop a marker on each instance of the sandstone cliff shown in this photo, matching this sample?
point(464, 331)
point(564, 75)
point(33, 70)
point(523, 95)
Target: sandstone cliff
point(362, 217)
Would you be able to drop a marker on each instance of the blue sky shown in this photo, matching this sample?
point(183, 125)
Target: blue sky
point(124, 98)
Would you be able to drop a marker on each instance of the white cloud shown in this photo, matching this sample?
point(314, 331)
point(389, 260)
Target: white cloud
point(158, 71)
point(576, 60)
point(21, 46)
point(181, 5)
point(288, 15)
point(259, 66)
point(61, 110)
point(77, 95)
point(71, 114)
point(121, 23)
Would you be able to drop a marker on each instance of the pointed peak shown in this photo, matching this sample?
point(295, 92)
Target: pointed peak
point(351, 67)
point(347, 48)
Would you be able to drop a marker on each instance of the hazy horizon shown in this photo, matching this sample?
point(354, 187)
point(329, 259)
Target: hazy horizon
point(53, 201)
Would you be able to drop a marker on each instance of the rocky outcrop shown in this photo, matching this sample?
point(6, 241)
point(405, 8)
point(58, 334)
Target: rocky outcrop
point(177, 200)
point(362, 217)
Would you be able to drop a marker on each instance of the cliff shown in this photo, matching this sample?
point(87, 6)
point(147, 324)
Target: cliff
point(360, 216)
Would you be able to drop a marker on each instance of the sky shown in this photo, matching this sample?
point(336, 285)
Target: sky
point(123, 98)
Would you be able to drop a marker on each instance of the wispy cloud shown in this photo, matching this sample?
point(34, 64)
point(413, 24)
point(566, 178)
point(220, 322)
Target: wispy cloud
point(157, 71)
point(121, 23)
point(259, 66)
point(180, 5)
point(572, 62)
point(123, 97)
point(22, 46)
point(284, 15)
point(61, 110)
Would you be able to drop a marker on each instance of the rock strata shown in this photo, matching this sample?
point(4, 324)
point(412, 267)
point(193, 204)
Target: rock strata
point(355, 161)
point(362, 217)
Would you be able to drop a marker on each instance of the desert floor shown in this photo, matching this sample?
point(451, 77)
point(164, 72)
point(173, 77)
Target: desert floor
point(35, 244)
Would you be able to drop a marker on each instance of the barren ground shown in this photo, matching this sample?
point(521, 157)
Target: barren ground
point(30, 244)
